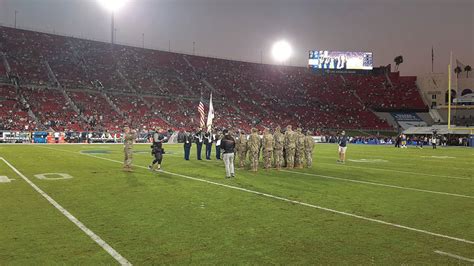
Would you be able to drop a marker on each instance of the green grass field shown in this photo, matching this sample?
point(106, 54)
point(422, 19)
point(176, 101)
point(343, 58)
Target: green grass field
point(384, 206)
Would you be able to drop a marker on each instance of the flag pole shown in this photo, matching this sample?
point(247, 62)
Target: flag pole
point(449, 89)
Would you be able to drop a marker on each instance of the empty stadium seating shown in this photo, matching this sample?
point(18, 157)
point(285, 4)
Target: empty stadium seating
point(117, 85)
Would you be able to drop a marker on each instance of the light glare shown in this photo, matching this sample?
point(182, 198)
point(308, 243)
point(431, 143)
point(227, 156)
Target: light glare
point(281, 51)
point(112, 5)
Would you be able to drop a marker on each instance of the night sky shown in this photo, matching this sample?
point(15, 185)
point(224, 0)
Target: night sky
point(242, 29)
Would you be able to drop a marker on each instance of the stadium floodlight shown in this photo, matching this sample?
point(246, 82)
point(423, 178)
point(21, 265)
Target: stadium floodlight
point(112, 5)
point(281, 51)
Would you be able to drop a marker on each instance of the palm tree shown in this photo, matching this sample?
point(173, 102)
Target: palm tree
point(398, 60)
point(467, 69)
point(457, 70)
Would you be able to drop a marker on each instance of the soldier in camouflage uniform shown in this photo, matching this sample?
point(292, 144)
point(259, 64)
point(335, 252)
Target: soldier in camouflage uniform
point(253, 145)
point(308, 148)
point(299, 156)
point(290, 146)
point(267, 148)
point(128, 139)
point(241, 147)
point(278, 142)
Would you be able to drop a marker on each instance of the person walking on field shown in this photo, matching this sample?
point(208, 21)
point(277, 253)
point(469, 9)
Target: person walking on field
point(342, 148)
point(228, 146)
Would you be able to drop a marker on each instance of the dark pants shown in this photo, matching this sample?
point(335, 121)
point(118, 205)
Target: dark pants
point(199, 148)
point(187, 150)
point(158, 158)
point(218, 152)
point(208, 151)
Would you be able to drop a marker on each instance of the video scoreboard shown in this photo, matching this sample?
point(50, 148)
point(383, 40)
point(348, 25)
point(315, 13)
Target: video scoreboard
point(336, 60)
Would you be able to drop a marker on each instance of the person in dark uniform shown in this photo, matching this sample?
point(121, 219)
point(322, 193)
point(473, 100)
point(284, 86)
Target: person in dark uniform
point(157, 149)
point(434, 139)
point(397, 141)
point(187, 145)
point(208, 142)
point(218, 140)
point(199, 137)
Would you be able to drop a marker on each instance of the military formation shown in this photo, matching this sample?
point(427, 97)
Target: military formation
point(293, 149)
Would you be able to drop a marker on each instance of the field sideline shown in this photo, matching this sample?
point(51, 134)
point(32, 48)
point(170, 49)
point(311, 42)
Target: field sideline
point(385, 205)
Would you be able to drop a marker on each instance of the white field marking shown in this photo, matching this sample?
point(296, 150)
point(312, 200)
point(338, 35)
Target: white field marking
point(343, 179)
point(398, 171)
point(119, 258)
point(5, 179)
point(453, 256)
point(408, 157)
point(382, 185)
point(439, 157)
point(62, 176)
point(296, 202)
point(135, 152)
point(368, 160)
point(393, 161)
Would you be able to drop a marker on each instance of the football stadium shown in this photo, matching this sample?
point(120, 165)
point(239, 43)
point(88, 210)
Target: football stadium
point(234, 132)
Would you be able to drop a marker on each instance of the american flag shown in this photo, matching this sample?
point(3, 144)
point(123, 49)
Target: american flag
point(201, 113)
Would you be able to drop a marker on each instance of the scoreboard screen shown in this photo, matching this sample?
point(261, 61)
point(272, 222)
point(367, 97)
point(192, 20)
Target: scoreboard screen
point(340, 60)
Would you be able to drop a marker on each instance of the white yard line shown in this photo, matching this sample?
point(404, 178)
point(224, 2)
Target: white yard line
point(409, 158)
point(453, 256)
point(332, 177)
point(303, 203)
point(397, 171)
point(119, 258)
point(381, 184)
point(298, 202)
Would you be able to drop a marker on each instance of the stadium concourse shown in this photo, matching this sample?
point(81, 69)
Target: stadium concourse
point(52, 82)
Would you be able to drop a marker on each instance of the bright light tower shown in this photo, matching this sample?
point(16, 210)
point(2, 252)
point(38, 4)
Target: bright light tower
point(112, 6)
point(281, 51)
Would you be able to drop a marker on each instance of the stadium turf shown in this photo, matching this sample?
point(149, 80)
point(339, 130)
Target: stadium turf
point(384, 206)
